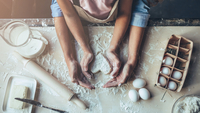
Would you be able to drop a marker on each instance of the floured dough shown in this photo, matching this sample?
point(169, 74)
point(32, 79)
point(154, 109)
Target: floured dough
point(100, 63)
point(18, 91)
point(188, 105)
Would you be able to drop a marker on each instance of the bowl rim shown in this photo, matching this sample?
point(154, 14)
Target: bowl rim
point(183, 96)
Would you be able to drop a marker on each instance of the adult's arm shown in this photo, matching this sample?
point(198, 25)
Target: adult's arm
point(121, 26)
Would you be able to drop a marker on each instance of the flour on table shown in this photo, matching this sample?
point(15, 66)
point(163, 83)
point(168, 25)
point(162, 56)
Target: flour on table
point(188, 105)
point(100, 64)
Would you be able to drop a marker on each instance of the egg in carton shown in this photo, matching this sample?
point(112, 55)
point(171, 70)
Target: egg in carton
point(175, 65)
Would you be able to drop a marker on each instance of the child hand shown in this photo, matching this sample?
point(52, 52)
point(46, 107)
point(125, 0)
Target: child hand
point(114, 61)
point(77, 75)
point(121, 78)
point(87, 58)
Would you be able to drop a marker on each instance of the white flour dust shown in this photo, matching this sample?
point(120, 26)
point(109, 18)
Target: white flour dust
point(99, 41)
point(188, 105)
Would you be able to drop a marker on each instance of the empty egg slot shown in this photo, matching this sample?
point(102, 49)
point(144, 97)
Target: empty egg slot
point(159, 84)
point(175, 69)
point(172, 50)
point(185, 43)
point(182, 60)
point(170, 55)
point(183, 53)
point(170, 68)
point(174, 40)
point(180, 63)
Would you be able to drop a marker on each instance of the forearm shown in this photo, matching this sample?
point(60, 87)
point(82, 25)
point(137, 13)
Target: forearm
point(121, 24)
point(74, 24)
point(64, 39)
point(135, 39)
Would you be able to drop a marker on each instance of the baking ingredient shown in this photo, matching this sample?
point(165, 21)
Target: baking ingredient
point(133, 95)
point(165, 70)
point(177, 75)
point(34, 47)
point(48, 79)
point(18, 91)
point(188, 105)
point(144, 93)
point(168, 61)
point(162, 80)
point(100, 63)
point(139, 83)
point(172, 85)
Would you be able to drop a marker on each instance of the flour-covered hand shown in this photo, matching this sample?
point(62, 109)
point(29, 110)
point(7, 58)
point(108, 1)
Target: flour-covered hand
point(123, 77)
point(114, 62)
point(86, 60)
point(77, 76)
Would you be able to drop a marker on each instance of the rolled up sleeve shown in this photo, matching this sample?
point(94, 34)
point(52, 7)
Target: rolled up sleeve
point(139, 19)
point(140, 13)
point(55, 9)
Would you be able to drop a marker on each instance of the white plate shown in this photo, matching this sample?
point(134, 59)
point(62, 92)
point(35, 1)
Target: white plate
point(19, 80)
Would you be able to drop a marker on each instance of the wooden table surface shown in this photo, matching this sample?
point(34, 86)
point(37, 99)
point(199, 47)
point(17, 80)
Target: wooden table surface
point(112, 100)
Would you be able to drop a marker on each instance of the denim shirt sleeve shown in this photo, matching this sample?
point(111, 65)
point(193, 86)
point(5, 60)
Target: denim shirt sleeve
point(140, 13)
point(55, 9)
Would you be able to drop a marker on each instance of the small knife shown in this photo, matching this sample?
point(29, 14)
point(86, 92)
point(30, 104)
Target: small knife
point(39, 104)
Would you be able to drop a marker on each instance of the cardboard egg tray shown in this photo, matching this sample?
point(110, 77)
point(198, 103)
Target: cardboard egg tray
point(180, 50)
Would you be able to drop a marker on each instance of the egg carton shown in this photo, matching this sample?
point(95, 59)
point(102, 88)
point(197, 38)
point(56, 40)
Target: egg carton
point(180, 50)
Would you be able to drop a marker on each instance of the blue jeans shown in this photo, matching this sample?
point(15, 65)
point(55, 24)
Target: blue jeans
point(140, 12)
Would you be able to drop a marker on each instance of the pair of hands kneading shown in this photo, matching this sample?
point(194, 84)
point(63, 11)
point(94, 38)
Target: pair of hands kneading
point(80, 73)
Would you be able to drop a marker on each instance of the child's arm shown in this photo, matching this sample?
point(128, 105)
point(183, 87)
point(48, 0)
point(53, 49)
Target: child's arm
point(121, 25)
point(69, 53)
point(74, 24)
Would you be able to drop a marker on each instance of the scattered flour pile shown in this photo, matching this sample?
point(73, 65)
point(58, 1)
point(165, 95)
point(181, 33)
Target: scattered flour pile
point(99, 43)
point(99, 40)
point(188, 105)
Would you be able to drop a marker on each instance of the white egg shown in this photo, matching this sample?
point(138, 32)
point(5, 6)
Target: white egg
point(177, 75)
point(133, 95)
point(168, 61)
point(162, 80)
point(165, 70)
point(172, 85)
point(139, 83)
point(144, 93)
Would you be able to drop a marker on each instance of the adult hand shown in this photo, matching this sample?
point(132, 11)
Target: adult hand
point(77, 76)
point(122, 77)
point(114, 62)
